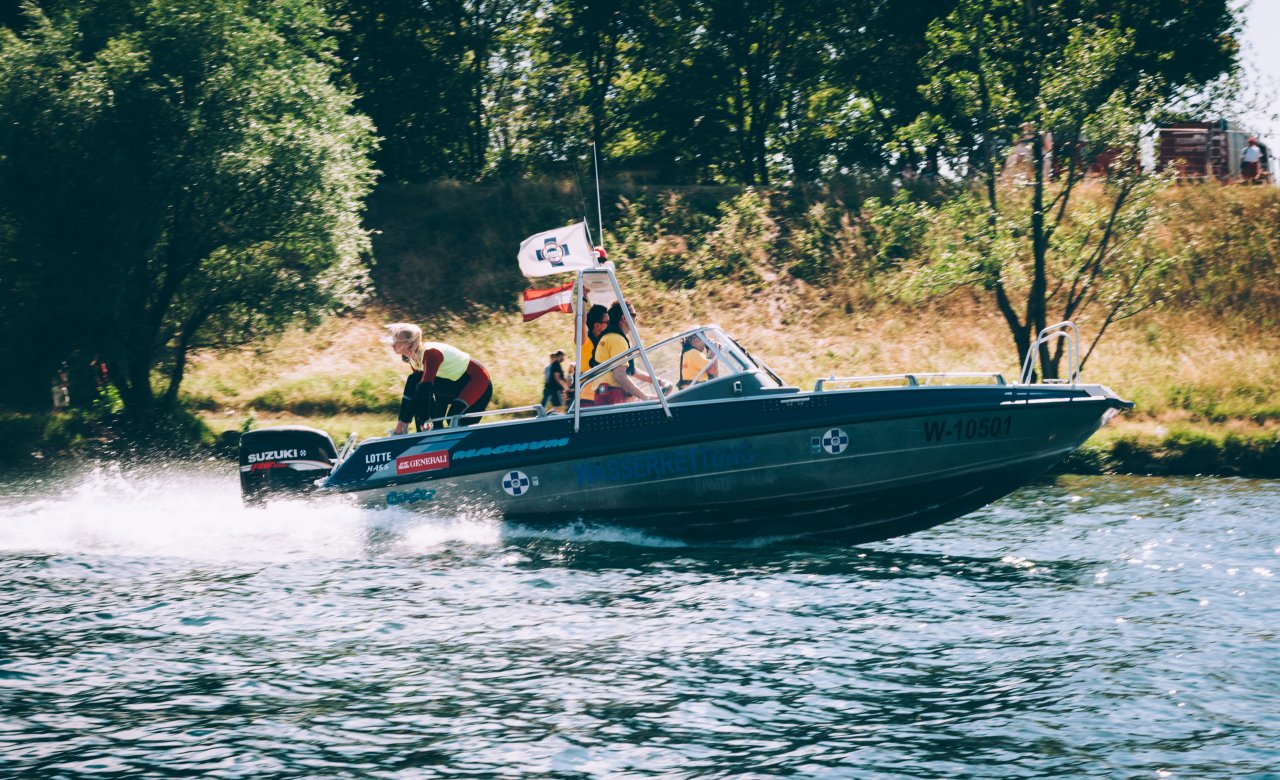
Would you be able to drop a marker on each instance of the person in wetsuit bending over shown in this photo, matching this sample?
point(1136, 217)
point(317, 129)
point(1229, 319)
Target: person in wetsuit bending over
point(445, 382)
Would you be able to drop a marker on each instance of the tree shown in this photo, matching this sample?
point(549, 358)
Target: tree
point(406, 66)
point(1022, 72)
point(881, 63)
point(589, 64)
point(427, 72)
point(173, 176)
point(746, 91)
point(733, 90)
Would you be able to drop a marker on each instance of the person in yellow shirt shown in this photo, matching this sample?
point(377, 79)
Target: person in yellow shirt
point(693, 359)
point(622, 383)
point(596, 320)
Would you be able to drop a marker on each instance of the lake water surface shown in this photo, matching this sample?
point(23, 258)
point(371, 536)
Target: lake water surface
point(1083, 628)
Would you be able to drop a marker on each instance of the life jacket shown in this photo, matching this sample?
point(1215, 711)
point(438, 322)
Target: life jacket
point(595, 342)
point(452, 366)
point(590, 389)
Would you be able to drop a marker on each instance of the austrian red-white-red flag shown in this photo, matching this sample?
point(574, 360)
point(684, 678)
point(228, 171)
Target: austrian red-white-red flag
point(539, 302)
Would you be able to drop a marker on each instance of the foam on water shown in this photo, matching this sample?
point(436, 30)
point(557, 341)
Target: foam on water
point(182, 512)
point(170, 513)
point(594, 532)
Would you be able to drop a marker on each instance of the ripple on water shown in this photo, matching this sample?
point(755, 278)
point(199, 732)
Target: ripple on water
point(1117, 627)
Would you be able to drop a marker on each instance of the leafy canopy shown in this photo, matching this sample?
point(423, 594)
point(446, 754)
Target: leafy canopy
point(173, 175)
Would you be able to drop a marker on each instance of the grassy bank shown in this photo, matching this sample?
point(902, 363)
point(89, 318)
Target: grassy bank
point(1203, 403)
point(813, 283)
point(1186, 450)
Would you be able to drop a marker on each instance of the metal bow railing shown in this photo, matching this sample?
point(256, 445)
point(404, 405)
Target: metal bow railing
point(1062, 330)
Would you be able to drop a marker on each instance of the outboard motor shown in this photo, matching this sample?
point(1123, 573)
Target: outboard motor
point(285, 460)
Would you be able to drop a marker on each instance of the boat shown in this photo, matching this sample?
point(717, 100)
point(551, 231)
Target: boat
point(737, 456)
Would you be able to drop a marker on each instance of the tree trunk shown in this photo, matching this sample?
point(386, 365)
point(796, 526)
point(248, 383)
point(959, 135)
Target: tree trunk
point(135, 388)
point(1036, 303)
point(178, 371)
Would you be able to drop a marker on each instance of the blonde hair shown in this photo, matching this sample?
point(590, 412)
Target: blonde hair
point(402, 332)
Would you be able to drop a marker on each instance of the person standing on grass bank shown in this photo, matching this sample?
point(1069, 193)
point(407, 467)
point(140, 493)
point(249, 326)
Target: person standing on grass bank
point(553, 382)
point(1250, 157)
point(59, 386)
point(445, 381)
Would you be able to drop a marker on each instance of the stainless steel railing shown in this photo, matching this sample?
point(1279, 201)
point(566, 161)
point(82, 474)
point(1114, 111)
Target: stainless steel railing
point(347, 446)
point(1062, 330)
point(911, 380)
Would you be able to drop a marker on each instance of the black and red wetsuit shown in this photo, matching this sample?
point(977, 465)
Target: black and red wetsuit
point(450, 383)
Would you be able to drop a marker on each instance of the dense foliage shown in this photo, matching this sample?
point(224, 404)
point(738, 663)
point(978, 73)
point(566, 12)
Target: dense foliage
point(755, 92)
point(177, 175)
point(771, 93)
point(172, 176)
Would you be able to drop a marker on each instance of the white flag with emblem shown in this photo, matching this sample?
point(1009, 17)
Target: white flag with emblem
point(557, 251)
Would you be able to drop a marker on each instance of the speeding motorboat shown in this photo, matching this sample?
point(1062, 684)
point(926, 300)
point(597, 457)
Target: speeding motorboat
point(732, 454)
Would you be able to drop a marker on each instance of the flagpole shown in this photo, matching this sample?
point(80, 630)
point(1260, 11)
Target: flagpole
point(578, 315)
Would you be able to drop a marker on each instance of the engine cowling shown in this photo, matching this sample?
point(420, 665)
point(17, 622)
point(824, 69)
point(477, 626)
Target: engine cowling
point(284, 460)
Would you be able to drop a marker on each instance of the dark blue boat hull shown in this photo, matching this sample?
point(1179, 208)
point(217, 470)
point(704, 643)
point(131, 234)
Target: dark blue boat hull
point(849, 466)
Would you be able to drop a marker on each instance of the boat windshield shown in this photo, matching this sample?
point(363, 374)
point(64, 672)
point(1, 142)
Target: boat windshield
point(702, 354)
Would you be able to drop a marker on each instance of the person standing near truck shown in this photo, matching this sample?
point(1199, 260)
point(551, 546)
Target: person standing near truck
point(1250, 159)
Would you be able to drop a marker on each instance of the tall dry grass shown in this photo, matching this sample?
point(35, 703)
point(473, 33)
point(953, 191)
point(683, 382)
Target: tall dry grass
point(1205, 356)
point(1177, 368)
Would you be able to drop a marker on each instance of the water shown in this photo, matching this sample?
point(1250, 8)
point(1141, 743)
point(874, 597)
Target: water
point(1092, 627)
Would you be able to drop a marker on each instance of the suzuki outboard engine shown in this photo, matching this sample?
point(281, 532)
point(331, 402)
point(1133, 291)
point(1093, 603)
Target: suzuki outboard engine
point(282, 461)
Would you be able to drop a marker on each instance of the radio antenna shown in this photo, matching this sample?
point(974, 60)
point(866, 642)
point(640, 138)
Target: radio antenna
point(577, 177)
point(595, 158)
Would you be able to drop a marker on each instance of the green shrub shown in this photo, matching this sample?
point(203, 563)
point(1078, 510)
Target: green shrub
point(1131, 455)
point(1191, 452)
point(1091, 458)
point(1256, 401)
point(203, 402)
point(743, 242)
point(1201, 401)
point(658, 233)
point(895, 231)
point(826, 244)
point(22, 434)
point(1252, 456)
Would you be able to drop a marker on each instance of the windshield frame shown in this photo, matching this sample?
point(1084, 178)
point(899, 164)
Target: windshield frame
point(714, 344)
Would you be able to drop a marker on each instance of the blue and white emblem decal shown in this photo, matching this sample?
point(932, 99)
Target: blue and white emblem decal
point(552, 251)
point(833, 442)
point(516, 483)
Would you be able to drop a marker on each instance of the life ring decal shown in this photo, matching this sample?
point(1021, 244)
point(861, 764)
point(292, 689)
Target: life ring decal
point(516, 483)
point(834, 441)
